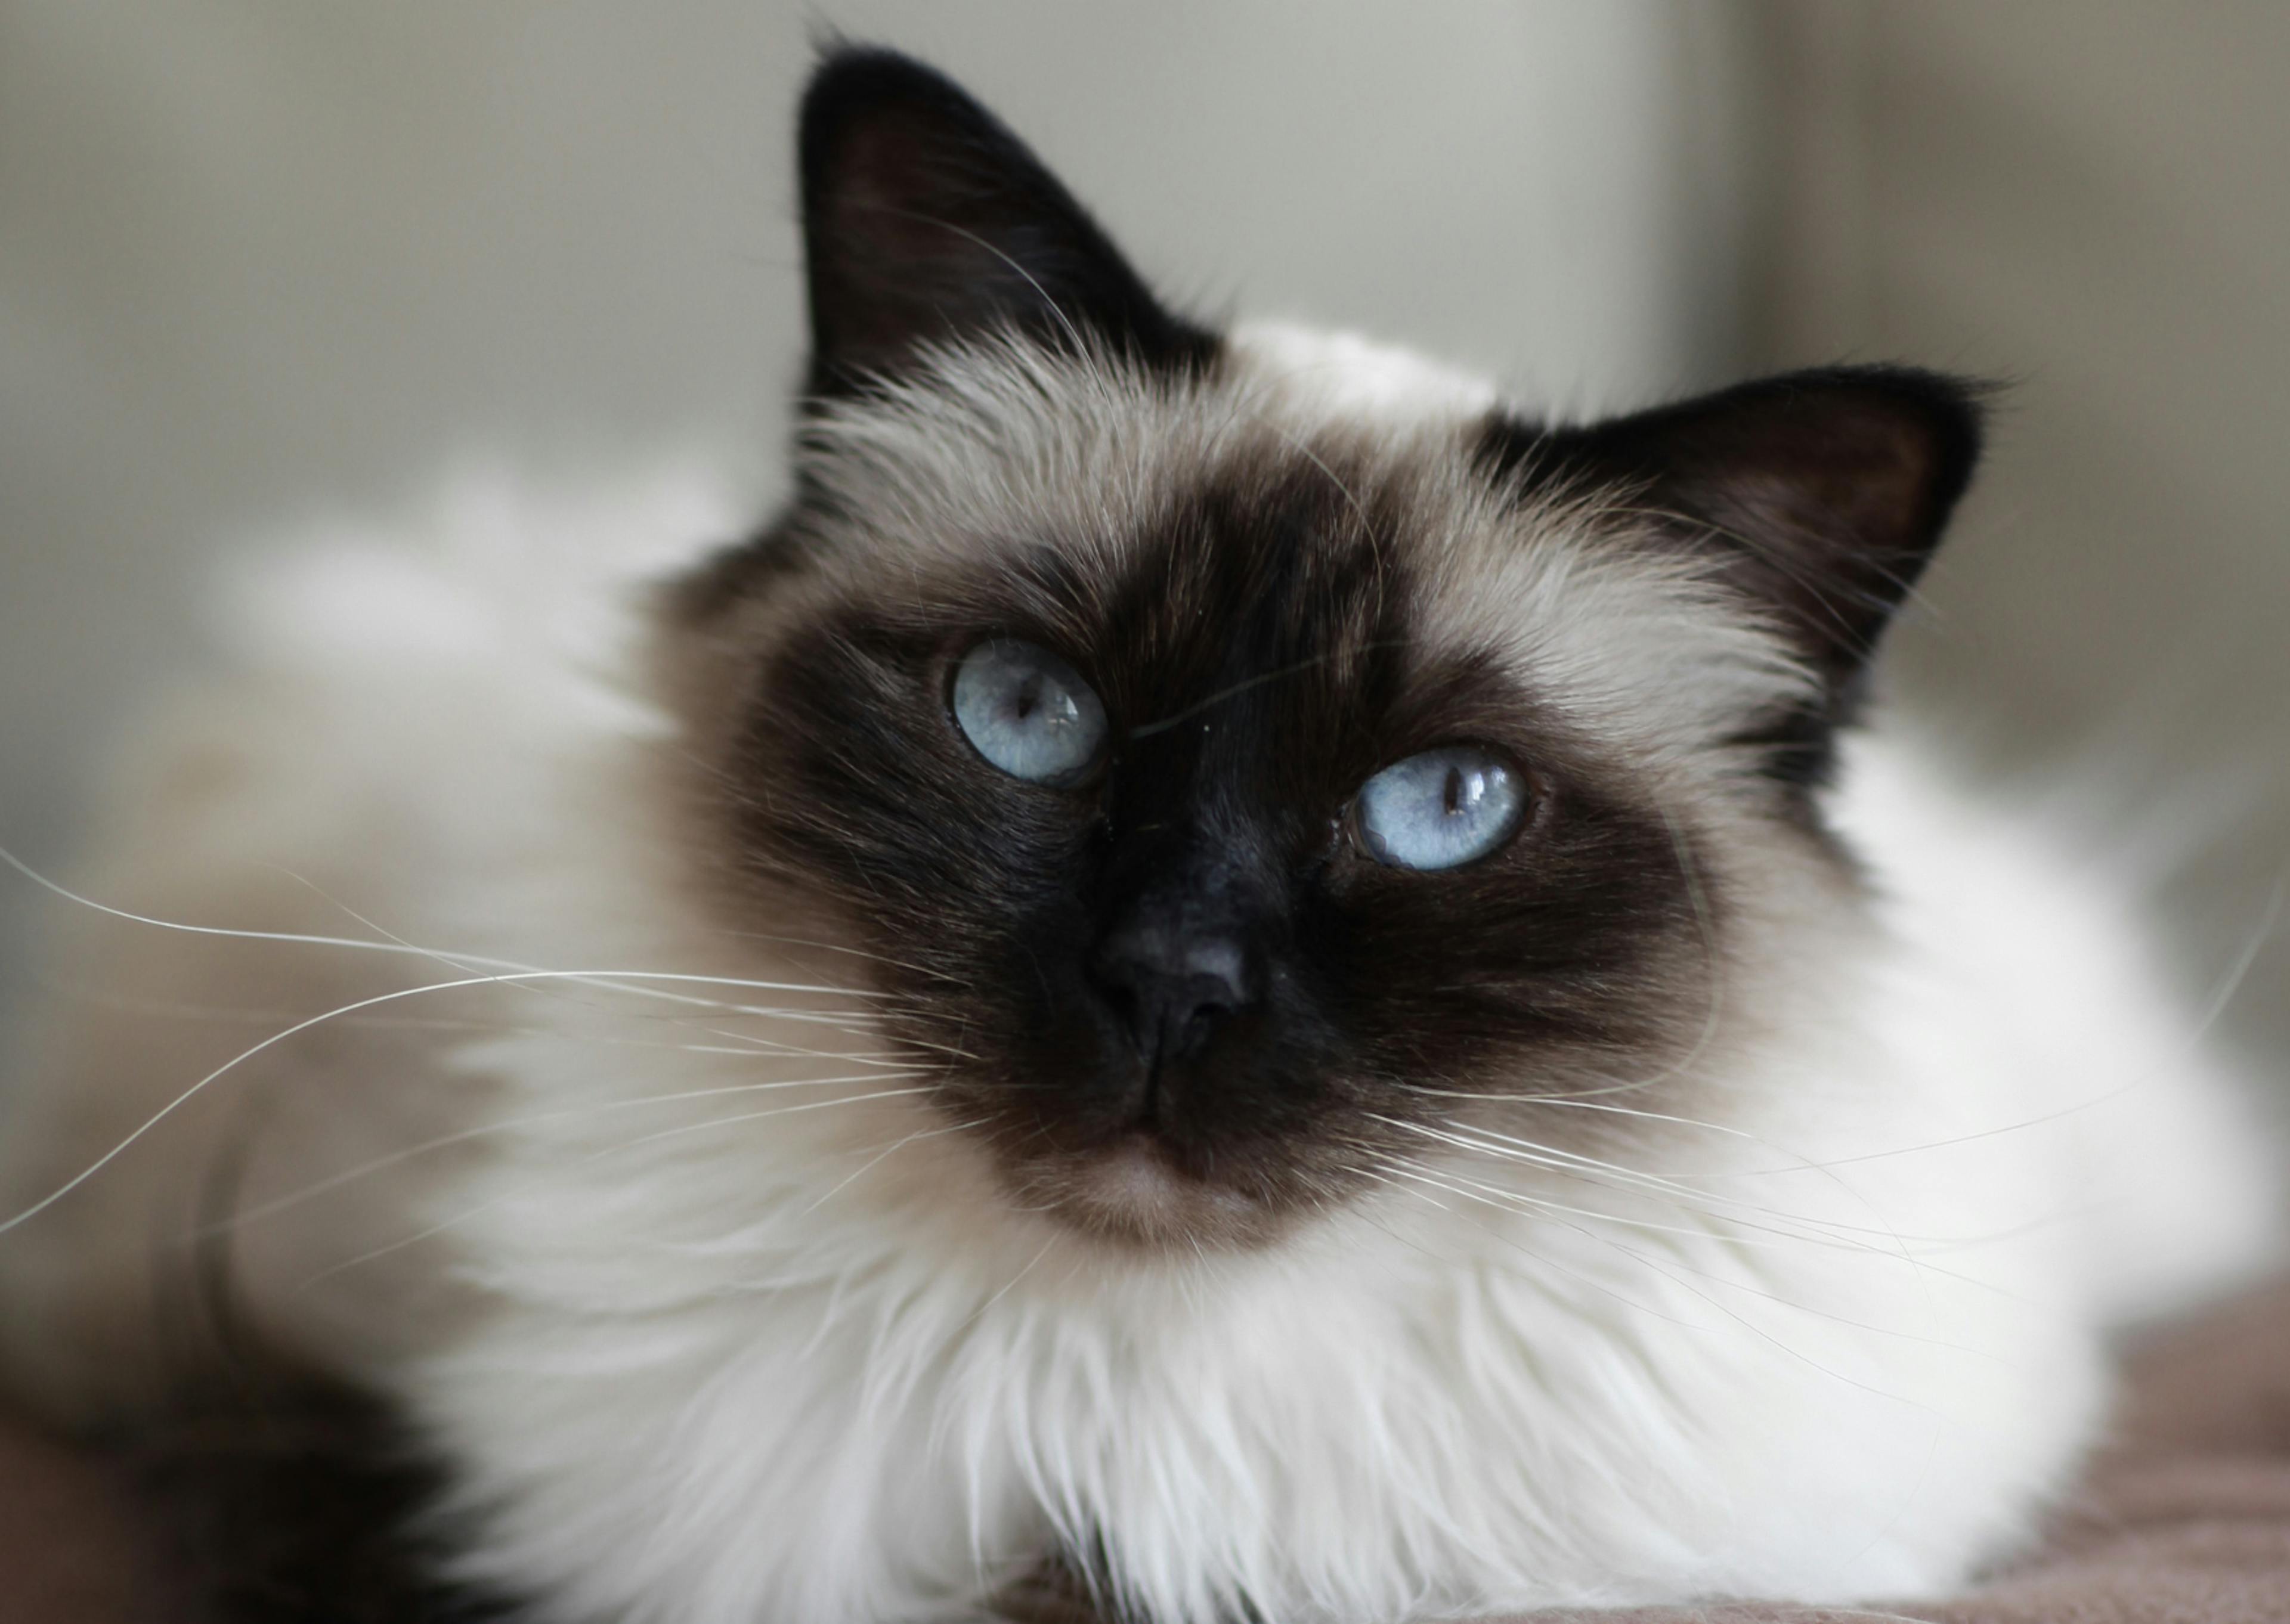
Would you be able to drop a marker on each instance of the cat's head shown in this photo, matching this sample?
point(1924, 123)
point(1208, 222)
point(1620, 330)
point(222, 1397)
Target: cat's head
point(1241, 757)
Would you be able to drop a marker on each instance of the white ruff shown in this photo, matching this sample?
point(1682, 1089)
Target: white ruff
point(1835, 1338)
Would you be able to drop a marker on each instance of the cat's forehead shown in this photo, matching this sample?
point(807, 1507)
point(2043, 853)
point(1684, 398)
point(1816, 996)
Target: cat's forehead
point(1334, 491)
point(1342, 376)
point(1001, 443)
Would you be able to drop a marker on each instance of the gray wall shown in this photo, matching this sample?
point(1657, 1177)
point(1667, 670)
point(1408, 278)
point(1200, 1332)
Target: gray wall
point(262, 259)
point(2091, 202)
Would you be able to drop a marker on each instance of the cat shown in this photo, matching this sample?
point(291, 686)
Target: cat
point(1219, 979)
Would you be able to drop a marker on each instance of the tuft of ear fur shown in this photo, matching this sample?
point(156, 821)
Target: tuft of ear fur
point(1827, 490)
point(924, 219)
point(1820, 494)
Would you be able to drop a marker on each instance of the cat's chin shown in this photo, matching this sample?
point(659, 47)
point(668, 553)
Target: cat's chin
point(1133, 1193)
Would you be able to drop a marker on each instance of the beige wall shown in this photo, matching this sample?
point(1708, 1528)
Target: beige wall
point(2091, 202)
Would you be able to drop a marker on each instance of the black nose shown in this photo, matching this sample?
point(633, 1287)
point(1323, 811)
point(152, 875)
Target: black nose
point(1173, 982)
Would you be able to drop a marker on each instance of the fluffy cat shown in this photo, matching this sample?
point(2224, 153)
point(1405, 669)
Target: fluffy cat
point(1219, 980)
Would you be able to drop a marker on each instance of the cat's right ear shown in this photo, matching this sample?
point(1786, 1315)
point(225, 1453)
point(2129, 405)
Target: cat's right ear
point(1818, 495)
point(1821, 493)
point(925, 220)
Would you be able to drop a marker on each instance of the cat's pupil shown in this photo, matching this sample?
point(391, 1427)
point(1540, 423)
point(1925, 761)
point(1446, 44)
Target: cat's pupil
point(1441, 808)
point(1025, 711)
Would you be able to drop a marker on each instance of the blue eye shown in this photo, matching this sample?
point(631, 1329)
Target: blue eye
point(1028, 712)
point(1441, 809)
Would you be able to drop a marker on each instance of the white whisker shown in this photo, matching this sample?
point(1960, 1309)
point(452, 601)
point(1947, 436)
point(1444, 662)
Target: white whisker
point(785, 1111)
point(510, 1124)
point(169, 1109)
point(483, 1207)
point(519, 970)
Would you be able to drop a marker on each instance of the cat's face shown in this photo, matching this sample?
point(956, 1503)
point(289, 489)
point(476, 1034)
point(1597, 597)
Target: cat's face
point(1240, 757)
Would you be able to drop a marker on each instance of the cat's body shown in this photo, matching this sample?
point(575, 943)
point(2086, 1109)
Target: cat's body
point(1755, 1236)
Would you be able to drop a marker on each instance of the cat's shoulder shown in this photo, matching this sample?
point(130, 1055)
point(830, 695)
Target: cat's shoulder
point(2039, 919)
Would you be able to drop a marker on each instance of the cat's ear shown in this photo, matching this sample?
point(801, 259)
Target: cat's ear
point(1822, 492)
point(924, 219)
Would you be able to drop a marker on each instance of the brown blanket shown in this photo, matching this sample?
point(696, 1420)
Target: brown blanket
point(2183, 1519)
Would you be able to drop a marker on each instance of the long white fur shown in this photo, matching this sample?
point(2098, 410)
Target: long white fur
point(719, 1320)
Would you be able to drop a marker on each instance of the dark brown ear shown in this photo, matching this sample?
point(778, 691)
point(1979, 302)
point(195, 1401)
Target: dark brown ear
point(1822, 492)
point(1827, 490)
point(925, 220)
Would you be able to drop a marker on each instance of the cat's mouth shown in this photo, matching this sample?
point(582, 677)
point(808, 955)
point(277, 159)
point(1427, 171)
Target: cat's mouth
point(1208, 1145)
point(1136, 1190)
point(1160, 1119)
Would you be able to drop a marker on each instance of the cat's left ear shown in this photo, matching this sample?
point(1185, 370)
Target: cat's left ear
point(926, 220)
point(1822, 494)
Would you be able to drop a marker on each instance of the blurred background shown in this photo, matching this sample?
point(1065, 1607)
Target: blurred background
point(261, 262)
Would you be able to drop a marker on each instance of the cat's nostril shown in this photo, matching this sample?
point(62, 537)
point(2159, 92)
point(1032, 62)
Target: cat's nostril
point(1217, 961)
point(1171, 988)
